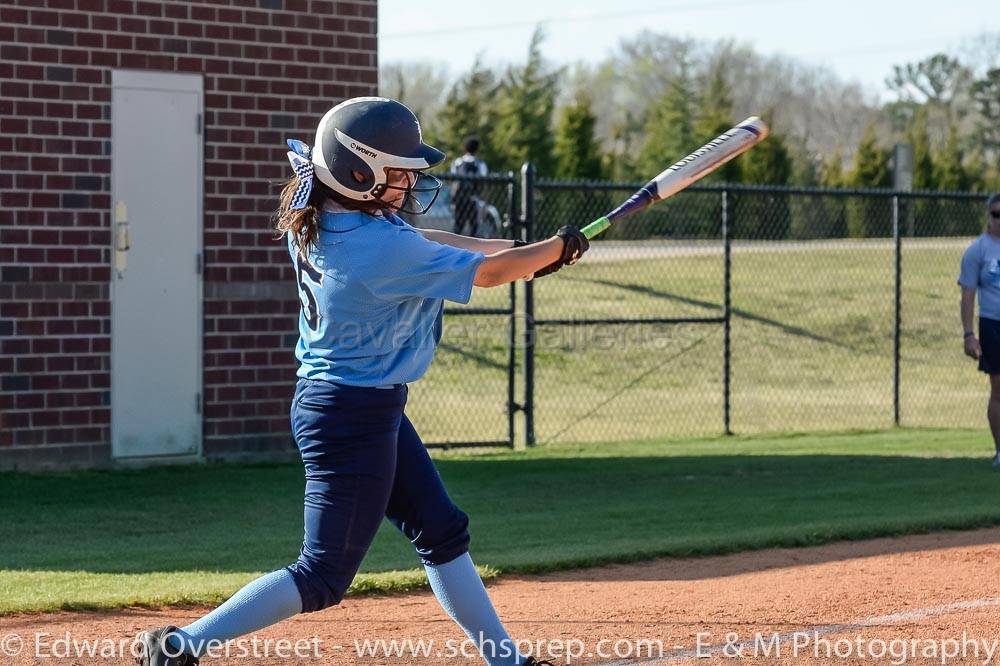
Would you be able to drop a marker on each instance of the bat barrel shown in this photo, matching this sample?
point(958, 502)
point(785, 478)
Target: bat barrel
point(692, 168)
point(710, 157)
point(755, 125)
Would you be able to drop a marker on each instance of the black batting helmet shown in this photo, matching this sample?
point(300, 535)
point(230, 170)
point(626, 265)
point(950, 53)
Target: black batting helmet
point(359, 141)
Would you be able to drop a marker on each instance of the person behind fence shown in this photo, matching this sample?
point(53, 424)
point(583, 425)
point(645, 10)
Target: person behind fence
point(465, 193)
point(980, 274)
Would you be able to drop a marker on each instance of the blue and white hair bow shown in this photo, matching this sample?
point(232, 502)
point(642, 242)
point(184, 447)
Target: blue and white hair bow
point(300, 157)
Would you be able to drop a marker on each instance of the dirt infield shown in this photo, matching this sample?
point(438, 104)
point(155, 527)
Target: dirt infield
point(905, 600)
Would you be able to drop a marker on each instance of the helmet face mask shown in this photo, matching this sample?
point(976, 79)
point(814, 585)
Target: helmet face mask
point(415, 197)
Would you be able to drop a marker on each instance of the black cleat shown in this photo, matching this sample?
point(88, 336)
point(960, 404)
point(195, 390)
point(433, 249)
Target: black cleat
point(534, 662)
point(156, 652)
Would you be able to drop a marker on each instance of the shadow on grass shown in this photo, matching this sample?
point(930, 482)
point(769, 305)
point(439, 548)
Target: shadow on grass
point(478, 359)
point(717, 307)
point(528, 515)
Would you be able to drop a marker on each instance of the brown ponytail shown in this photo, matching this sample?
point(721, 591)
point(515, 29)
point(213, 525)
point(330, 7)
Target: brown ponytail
point(303, 223)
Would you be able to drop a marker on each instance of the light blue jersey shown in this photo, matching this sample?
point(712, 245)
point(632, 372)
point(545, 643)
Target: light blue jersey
point(981, 271)
point(372, 293)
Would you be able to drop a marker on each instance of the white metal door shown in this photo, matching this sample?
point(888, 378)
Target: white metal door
point(156, 183)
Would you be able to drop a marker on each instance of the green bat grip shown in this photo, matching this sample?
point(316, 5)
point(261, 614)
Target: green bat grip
point(596, 227)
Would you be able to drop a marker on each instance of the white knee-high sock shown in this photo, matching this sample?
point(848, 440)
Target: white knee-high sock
point(261, 603)
point(460, 591)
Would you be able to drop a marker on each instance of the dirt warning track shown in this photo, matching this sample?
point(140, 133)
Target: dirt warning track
point(919, 599)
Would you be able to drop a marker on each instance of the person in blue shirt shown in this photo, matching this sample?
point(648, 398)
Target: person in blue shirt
point(372, 290)
point(980, 274)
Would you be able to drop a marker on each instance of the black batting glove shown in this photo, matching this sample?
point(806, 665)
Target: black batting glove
point(574, 245)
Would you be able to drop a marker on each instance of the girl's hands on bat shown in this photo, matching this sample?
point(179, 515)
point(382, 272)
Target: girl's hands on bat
point(533, 260)
point(575, 244)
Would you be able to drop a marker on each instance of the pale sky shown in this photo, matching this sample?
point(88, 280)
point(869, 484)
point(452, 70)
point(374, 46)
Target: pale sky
point(858, 39)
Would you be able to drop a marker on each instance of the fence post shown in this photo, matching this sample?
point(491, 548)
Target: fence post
point(727, 315)
point(897, 311)
point(528, 339)
point(512, 406)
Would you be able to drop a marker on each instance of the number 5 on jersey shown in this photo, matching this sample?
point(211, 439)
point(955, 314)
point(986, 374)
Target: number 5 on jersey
point(307, 274)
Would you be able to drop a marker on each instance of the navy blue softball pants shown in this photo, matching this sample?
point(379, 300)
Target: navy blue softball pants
point(364, 461)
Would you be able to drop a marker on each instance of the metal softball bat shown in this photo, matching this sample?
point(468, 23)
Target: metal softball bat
point(689, 170)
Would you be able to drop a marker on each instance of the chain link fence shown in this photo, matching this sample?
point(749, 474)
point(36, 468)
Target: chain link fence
point(839, 309)
point(723, 309)
point(629, 342)
point(939, 384)
point(813, 311)
point(465, 398)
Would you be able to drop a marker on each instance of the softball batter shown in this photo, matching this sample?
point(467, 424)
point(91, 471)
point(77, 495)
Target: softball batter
point(372, 290)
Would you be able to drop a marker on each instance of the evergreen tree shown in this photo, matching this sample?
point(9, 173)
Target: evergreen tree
point(768, 163)
point(949, 172)
point(869, 217)
point(986, 93)
point(828, 216)
point(977, 171)
point(915, 212)
point(669, 130)
point(952, 176)
point(806, 165)
point(577, 152)
point(766, 214)
point(524, 113)
point(716, 117)
point(923, 161)
point(469, 109)
point(578, 156)
point(871, 162)
point(621, 164)
point(831, 173)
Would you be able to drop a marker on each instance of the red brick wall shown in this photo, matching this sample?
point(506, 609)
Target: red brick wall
point(271, 68)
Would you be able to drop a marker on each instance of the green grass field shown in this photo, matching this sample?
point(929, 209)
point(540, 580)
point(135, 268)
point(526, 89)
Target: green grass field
point(812, 342)
point(104, 539)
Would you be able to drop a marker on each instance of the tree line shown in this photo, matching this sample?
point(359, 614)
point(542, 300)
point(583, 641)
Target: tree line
point(658, 97)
